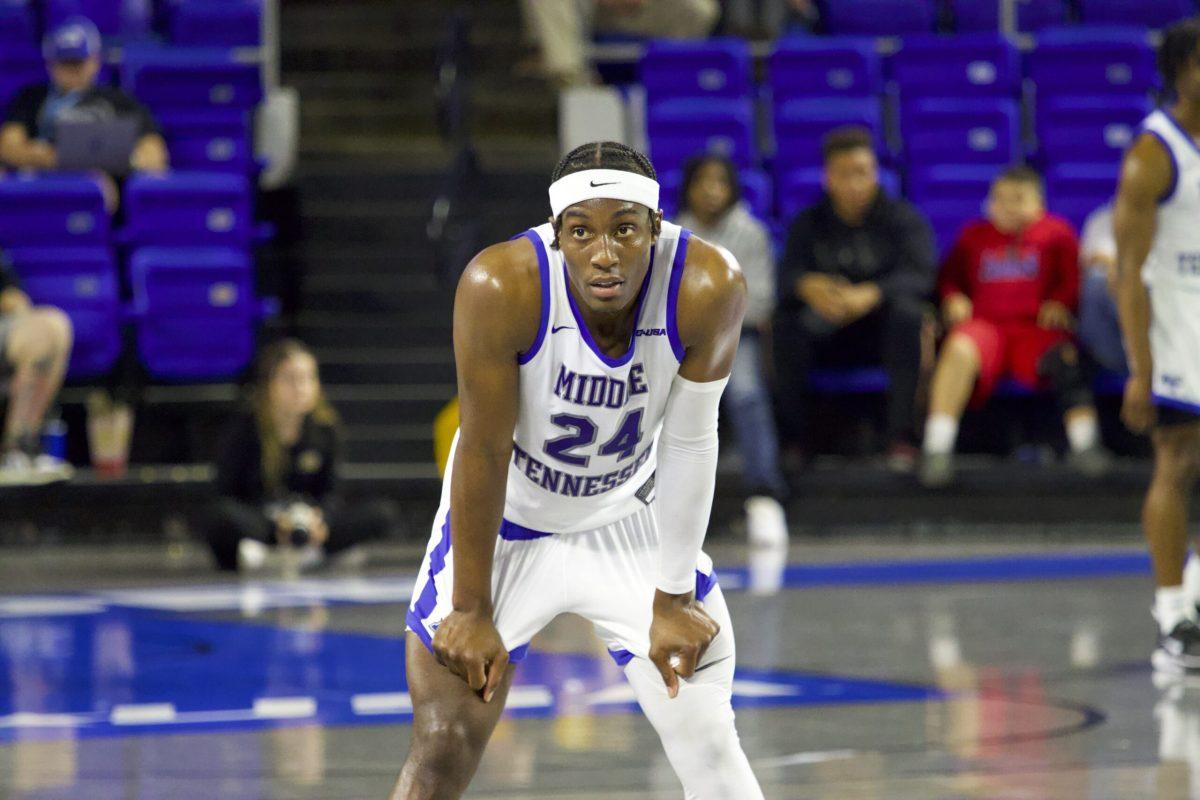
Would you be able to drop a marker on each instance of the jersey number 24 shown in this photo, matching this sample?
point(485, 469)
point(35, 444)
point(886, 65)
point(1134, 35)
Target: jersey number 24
point(623, 444)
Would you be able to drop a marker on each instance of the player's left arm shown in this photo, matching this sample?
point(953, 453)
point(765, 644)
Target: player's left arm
point(712, 302)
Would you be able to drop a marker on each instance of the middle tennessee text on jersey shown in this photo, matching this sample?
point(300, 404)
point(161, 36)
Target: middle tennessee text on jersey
point(588, 423)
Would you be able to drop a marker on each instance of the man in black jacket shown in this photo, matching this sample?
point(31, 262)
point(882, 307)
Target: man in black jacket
point(853, 286)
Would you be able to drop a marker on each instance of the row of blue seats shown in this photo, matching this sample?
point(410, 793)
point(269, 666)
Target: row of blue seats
point(194, 312)
point(898, 17)
point(177, 208)
point(209, 23)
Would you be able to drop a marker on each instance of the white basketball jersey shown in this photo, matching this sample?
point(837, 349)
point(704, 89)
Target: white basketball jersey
point(585, 444)
point(1172, 271)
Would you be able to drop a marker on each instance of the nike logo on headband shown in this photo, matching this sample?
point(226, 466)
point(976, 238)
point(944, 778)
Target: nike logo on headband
point(593, 184)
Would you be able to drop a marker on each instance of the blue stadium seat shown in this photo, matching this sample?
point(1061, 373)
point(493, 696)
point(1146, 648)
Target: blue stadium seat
point(681, 128)
point(121, 19)
point(217, 23)
point(879, 17)
point(52, 210)
point(19, 65)
point(16, 24)
point(195, 311)
point(1032, 15)
point(801, 124)
point(967, 65)
point(962, 131)
point(756, 191)
point(806, 67)
point(800, 188)
point(188, 208)
point(950, 195)
point(82, 281)
point(1092, 61)
point(1149, 13)
point(1076, 190)
point(715, 68)
point(1096, 129)
point(194, 79)
point(209, 140)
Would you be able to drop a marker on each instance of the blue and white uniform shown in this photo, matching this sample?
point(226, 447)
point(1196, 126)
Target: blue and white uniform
point(579, 532)
point(1172, 272)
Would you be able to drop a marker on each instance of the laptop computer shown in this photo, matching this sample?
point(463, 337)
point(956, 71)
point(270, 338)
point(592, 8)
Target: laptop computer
point(96, 144)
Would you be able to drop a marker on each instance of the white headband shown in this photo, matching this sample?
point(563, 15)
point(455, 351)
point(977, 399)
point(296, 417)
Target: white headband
point(608, 184)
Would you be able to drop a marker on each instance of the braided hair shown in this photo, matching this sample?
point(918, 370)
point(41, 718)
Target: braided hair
point(601, 155)
point(1179, 43)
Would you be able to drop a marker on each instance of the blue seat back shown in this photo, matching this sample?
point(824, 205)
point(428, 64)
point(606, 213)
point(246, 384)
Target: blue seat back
point(1076, 190)
point(217, 23)
point(1149, 13)
point(967, 65)
point(82, 281)
point(52, 210)
point(122, 19)
point(20, 65)
point(960, 132)
point(879, 17)
point(196, 311)
point(681, 128)
point(805, 67)
point(1087, 61)
point(800, 125)
point(209, 140)
point(1032, 15)
point(190, 208)
point(1088, 129)
point(715, 68)
point(192, 79)
point(16, 24)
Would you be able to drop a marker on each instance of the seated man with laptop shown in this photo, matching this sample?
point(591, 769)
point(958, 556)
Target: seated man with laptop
point(73, 124)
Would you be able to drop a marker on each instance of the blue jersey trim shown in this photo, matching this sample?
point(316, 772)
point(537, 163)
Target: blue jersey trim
point(516, 533)
point(673, 294)
point(1178, 405)
point(1174, 165)
point(539, 247)
point(627, 356)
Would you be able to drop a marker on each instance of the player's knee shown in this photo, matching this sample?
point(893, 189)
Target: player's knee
point(56, 326)
point(1176, 460)
point(1064, 370)
point(446, 747)
point(960, 350)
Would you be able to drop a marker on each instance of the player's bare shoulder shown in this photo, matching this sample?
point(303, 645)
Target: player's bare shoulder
point(1148, 167)
point(712, 291)
point(499, 295)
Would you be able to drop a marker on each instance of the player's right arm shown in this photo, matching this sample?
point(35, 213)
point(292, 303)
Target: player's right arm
point(496, 315)
point(1146, 176)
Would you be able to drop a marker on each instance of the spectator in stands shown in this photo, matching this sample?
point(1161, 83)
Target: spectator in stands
point(72, 51)
point(768, 19)
point(35, 345)
point(1009, 288)
point(563, 28)
point(712, 207)
point(277, 472)
point(1099, 328)
point(858, 268)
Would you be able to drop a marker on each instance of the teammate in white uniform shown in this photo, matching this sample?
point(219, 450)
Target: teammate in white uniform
point(1157, 221)
point(591, 356)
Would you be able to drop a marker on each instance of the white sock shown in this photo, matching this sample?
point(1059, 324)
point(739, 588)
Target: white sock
point(1083, 432)
point(940, 432)
point(1171, 606)
point(1191, 579)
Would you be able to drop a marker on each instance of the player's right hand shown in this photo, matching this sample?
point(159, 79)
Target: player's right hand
point(468, 644)
point(1137, 409)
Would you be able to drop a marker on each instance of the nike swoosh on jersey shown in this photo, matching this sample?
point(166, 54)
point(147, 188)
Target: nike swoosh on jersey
point(558, 328)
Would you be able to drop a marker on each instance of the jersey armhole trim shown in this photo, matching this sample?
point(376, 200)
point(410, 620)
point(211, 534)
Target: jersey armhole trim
point(1170, 192)
point(539, 247)
point(673, 295)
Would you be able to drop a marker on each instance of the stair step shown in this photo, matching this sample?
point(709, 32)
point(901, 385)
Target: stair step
point(416, 404)
point(382, 366)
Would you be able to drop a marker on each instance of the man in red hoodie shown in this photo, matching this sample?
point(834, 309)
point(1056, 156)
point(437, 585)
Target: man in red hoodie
point(1009, 289)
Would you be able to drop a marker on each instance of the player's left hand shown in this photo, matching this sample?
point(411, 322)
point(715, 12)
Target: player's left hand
point(1054, 316)
point(680, 633)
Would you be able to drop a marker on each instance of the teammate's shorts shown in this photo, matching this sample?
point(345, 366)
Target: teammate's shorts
point(605, 575)
point(1013, 349)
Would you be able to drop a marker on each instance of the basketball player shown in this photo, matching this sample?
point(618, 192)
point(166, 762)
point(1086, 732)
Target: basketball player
point(1157, 221)
point(591, 354)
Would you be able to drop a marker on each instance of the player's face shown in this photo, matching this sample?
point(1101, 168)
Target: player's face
point(852, 180)
point(295, 387)
point(74, 76)
point(1014, 205)
point(606, 244)
point(709, 193)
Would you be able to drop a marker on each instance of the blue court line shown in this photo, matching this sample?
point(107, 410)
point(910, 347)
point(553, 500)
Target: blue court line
point(1008, 568)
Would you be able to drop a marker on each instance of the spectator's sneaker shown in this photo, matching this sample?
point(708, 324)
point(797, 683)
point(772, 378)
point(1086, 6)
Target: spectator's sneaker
point(766, 522)
point(17, 469)
point(902, 458)
point(52, 469)
point(1179, 651)
point(1092, 462)
point(937, 470)
point(252, 555)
